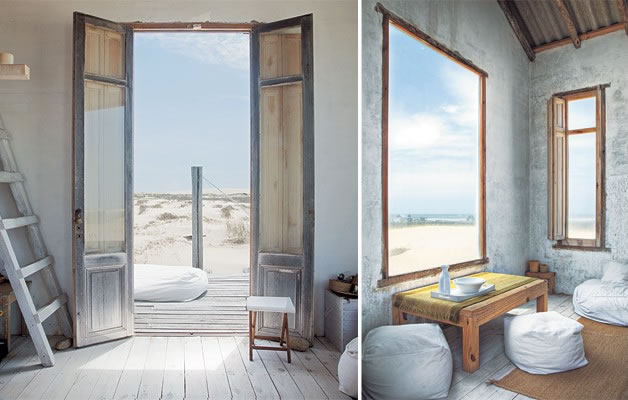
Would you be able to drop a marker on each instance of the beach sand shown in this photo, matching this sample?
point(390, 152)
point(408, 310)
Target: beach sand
point(163, 230)
point(421, 247)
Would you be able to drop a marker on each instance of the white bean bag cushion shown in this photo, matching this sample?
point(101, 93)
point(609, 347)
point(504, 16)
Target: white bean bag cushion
point(168, 283)
point(605, 302)
point(348, 369)
point(544, 343)
point(615, 272)
point(406, 362)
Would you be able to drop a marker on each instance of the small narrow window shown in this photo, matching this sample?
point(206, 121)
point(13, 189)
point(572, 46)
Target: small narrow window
point(576, 169)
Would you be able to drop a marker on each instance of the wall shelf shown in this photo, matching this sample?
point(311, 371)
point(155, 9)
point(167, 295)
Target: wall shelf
point(14, 72)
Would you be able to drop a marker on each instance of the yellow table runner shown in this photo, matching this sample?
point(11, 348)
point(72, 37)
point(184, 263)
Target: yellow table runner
point(420, 301)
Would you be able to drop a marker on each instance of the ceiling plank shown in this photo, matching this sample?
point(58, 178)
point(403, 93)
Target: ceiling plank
point(623, 9)
point(569, 21)
point(518, 26)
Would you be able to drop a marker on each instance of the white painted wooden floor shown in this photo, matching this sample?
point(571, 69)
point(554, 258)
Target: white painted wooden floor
point(220, 312)
point(494, 364)
point(179, 368)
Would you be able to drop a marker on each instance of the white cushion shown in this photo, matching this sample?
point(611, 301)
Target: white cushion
point(544, 343)
point(615, 272)
point(605, 302)
point(168, 283)
point(348, 369)
point(406, 362)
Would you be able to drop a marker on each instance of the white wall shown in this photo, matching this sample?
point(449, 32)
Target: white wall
point(479, 31)
point(38, 112)
point(599, 60)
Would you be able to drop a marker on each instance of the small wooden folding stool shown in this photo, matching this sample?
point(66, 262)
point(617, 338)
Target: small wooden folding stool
point(255, 304)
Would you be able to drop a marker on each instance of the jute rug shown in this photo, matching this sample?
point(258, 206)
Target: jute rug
point(605, 377)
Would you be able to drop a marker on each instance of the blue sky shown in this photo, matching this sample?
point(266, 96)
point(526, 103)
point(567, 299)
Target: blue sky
point(433, 131)
point(191, 108)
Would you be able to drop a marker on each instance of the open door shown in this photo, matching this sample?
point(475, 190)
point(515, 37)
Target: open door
point(282, 165)
point(102, 218)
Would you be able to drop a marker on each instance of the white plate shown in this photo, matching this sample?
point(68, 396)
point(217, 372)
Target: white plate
point(457, 296)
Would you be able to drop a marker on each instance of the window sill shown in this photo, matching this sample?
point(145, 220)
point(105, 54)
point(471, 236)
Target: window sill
point(392, 280)
point(559, 246)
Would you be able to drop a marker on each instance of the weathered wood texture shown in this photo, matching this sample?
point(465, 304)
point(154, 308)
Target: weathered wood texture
point(518, 26)
point(33, 316)
point(282, 161)
point(197, 217)
point(103, 185)
point(221, 311)
point(568, 19)
point(558, 167)
point(171, 368)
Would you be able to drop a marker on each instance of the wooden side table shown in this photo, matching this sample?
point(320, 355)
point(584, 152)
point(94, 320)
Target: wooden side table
point(550, 277)
point(255, 304)
point(7, 297)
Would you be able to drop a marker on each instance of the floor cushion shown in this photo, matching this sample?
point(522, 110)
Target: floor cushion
point(168, 283)
point(615, 271)
point(605, 302)
point(348, 369)
point(406, 362)
point(544, 343)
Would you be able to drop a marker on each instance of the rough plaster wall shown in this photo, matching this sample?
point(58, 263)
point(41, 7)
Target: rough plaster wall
point(480, 32)
point(38, 111)
point(599, 60)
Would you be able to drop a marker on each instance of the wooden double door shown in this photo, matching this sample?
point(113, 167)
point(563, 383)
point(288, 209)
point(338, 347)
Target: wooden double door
point(282, 174)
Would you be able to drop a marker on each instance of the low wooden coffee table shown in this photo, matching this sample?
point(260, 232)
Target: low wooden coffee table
point(473, 316)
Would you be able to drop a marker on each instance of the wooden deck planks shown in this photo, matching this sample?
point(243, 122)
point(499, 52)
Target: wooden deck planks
point(221, 311)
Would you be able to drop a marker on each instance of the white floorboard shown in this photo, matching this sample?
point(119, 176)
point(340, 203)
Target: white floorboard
point(175, 368)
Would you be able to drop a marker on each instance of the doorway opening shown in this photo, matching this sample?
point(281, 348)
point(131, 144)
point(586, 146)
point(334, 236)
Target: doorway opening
point(192, 200)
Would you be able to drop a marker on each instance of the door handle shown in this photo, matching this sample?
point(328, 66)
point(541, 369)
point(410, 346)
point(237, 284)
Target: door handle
point(78, 216)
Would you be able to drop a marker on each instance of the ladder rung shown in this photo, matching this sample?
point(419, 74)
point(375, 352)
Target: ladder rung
point(12, 223)
point(34, 267)
point(50, 308)
point(10, 177)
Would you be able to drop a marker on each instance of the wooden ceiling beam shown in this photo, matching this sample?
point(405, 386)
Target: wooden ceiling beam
point(569, 21)
point(623, 9)
point(585, 36)
point(518, 26)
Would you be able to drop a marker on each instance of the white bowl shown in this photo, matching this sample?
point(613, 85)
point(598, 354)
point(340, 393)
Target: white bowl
point(469, 285)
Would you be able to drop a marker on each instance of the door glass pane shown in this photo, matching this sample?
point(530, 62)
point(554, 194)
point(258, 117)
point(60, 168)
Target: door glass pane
point(281, 169)
point(581, 114)
point(433, 149)
point(581, 186)
point(280, 53)
point(104, 168)
point(104, 52)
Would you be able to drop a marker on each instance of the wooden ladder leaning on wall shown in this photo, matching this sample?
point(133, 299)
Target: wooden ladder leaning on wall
point(33, 316)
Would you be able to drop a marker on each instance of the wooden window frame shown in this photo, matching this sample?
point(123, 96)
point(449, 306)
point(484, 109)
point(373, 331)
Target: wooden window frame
point(599, 243)
point(391, 18)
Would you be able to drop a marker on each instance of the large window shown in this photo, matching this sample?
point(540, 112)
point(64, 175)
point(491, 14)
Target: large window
point(576, 168)
point(433, 150)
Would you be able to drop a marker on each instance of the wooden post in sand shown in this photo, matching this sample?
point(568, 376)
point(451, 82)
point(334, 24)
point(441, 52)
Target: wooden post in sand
point(197, 217)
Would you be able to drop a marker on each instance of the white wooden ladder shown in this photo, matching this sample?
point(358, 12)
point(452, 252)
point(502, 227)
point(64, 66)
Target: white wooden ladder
point(33, 316)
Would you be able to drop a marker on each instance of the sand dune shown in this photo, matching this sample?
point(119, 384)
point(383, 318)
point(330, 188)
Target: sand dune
point(163, 230)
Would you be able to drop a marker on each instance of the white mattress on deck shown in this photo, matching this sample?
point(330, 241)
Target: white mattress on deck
point(168, 283)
